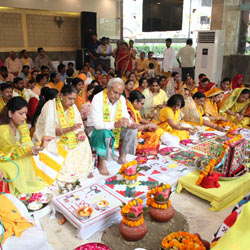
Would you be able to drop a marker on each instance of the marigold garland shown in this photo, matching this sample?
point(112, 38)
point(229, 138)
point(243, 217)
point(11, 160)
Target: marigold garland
point(126, 208)
point(151, 200)
point(213, 162)
point(124, 166)
point(133, 223)
point(182, 240)
point(130, 177)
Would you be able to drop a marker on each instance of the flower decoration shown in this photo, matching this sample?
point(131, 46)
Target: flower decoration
point(213, 162)
point(129, 171)
point(187, 141)
point(141, 159)
point(182, 240)
point(133, 209)
point(233, 131)
point(35, 197)
point(159, 194)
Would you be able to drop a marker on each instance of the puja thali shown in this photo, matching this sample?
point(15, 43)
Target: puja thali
point(203, 161)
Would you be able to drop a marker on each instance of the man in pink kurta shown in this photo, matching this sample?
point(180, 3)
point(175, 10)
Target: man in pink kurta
point(13, 64)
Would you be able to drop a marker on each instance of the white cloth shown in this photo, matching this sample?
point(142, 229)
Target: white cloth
point(168, 59)
point(108, 51)
point(26, 92)
point(32, 94)
point(170, 140)
point(78, 162)
point(187, 56)
point(95, 117)
point(31, 238)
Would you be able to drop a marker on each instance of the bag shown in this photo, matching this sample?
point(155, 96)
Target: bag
point(170, 140)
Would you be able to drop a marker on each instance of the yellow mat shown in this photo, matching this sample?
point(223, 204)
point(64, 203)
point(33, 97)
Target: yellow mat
point(228, 194)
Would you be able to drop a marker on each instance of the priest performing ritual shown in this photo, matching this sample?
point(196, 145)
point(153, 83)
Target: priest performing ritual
point(109, 125)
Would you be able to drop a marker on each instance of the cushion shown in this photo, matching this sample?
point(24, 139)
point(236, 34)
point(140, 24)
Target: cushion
point(228, 194)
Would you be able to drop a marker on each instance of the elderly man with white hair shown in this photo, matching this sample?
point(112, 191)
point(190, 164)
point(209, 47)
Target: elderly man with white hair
point(109, 125)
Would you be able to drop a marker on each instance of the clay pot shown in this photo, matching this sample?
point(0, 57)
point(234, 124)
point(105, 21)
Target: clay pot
point(161, 215)
point(133, 233)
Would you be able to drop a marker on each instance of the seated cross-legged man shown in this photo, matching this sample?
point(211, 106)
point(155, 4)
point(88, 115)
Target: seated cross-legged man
point(108, 123)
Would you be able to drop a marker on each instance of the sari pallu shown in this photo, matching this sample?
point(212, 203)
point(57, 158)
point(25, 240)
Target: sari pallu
point(148, 142)
point(232, 105)
point(193, 89)
point(211, 108)
point(124, 62)
point(209, 86)
point(235, 84)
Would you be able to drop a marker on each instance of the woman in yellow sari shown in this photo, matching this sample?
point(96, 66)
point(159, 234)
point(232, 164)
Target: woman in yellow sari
point(147, 130)
point(210, 106)
point(235, 106)
point(193, 112)
point(16, 145)
point(155, 98)
point(188, 84)
point(169, 118)
point(61, 119)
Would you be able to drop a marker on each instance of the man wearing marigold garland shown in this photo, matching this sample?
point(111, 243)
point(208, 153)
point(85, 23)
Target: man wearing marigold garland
point(108, 124)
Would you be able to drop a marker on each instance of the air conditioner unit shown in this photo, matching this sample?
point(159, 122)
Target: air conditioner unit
point(209, 55)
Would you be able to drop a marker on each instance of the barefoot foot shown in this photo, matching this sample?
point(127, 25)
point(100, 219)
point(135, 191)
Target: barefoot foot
point(102, 168)
point(121, 161)
point(90, 176)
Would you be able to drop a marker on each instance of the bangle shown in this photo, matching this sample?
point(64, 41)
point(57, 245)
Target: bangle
point(34, 150)
point(61, 131)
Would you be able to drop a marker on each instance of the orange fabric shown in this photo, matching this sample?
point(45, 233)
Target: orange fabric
point(82, 76)
point(57, 86)
point(151, 145)
point(211, 110)
point(79, 102)
point(13, 222)
point(223, 100)
point(213, 92)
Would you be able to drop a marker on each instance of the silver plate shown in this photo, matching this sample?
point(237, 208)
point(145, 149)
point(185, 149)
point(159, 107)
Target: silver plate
point(35, 205)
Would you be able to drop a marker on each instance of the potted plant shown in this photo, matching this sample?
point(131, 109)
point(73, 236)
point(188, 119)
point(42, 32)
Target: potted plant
point(129, 172)
point(160, 208)
point(133, 227)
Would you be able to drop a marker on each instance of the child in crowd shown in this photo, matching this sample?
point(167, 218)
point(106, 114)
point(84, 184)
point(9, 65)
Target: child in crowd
point(69, 78)
point(151, 71)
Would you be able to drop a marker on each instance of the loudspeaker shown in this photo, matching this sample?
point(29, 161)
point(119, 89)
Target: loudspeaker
point(88, 26)
point(79, 59)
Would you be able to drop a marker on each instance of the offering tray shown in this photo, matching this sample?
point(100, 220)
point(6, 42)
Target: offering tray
point(202, 162)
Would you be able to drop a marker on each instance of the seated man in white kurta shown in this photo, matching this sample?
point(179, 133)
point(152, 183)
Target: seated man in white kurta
point(108, 123)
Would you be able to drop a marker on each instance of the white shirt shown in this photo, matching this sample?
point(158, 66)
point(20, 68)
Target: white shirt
point(187, 55)
point(168, 59)
point(26, 92)
point(95, 116)
point(108, 51)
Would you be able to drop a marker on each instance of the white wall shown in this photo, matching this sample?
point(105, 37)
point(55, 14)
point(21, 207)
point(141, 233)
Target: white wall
point(104, 8)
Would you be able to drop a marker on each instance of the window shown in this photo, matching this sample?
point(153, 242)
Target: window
point(206, 3)
point(204, 20)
